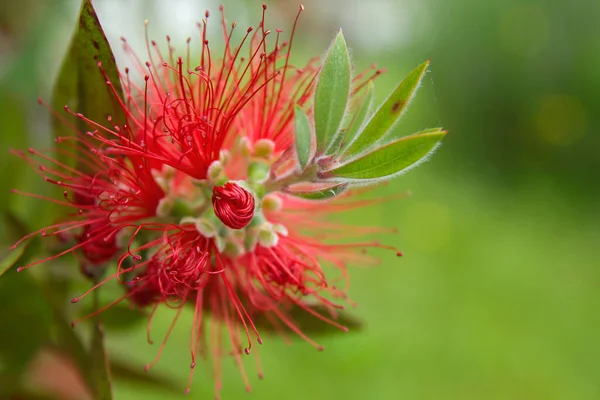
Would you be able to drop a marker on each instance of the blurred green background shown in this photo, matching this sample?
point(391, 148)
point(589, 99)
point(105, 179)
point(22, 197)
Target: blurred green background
point(498, 294)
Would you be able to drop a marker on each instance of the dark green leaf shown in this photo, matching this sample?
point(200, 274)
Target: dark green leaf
point(364, 111)
point(389, 159)
point(310, 324)
point(122, 370)
point(321, 193)
point(81, 85)
point(120, 316)
point(25, 320)
point(331, 95)
point(387, 115)
point(303, 137)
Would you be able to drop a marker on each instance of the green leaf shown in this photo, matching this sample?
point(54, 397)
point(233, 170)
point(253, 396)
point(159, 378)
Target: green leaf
point(25, 320)
point(430, 130)
point(308, 323)
point(303, 137)
point(331, 95)
point(363, 112)
point(80, 84)
point(321, 193)
point(122, 370)
point(387, 115)
point(389, 159)
point(9, 257)
point(119, 317)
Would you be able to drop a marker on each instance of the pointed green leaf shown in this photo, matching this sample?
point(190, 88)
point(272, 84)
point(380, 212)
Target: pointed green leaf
point(9, 257)
point(363, 112)
point(319, 194)
point(389, 159)
point(303, 137)
point(81, 85)
point(387, 115)
point(331, 95)
point(430, 130)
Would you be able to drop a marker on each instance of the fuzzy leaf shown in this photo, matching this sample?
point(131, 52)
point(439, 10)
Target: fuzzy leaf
point(80, 83)
point(430, 130)
point(303, 137)
point(363, 112)
point(320, 194)
point(389, 159)
point(331, 95)
point(387, 115)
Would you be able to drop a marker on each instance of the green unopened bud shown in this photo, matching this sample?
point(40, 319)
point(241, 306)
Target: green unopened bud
point(267, 237)
point(264, 148)
point(164, 208)
point(242, 146)
point(272, 202)
point(233, 249)
point(258, 172)
point(216, 173)
point(206, 227)
point(224, 156)
point(280, 229)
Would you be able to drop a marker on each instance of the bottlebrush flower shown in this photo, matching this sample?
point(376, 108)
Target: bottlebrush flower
point(214, 189)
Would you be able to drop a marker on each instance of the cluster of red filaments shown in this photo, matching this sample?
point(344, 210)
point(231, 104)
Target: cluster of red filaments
point(140, 194)
point(233, 205)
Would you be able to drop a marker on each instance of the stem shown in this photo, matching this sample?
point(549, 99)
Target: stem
point(100, 371)
point(277, 185)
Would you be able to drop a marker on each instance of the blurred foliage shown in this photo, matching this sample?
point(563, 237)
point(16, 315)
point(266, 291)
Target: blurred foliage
point(497, 295)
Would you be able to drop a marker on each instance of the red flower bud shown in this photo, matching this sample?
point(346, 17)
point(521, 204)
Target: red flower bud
point(233, 205)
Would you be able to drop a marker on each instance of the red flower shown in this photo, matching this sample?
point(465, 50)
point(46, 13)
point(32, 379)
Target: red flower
point(157, 194)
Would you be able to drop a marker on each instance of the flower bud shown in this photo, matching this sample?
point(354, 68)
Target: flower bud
point(233, 205)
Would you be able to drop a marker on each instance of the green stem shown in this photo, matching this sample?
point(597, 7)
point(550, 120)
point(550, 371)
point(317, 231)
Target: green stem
point(308, 175)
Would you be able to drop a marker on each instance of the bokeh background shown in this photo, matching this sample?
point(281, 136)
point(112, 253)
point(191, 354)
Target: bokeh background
point(498, 294)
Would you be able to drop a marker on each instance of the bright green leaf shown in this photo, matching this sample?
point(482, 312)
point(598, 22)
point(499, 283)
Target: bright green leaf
point(321, 193)
point(303, 137)
point(364, 111)
point(430, 130)
point(387, 115)
point(80, 84)
point(331, 95)
point(389, 159)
